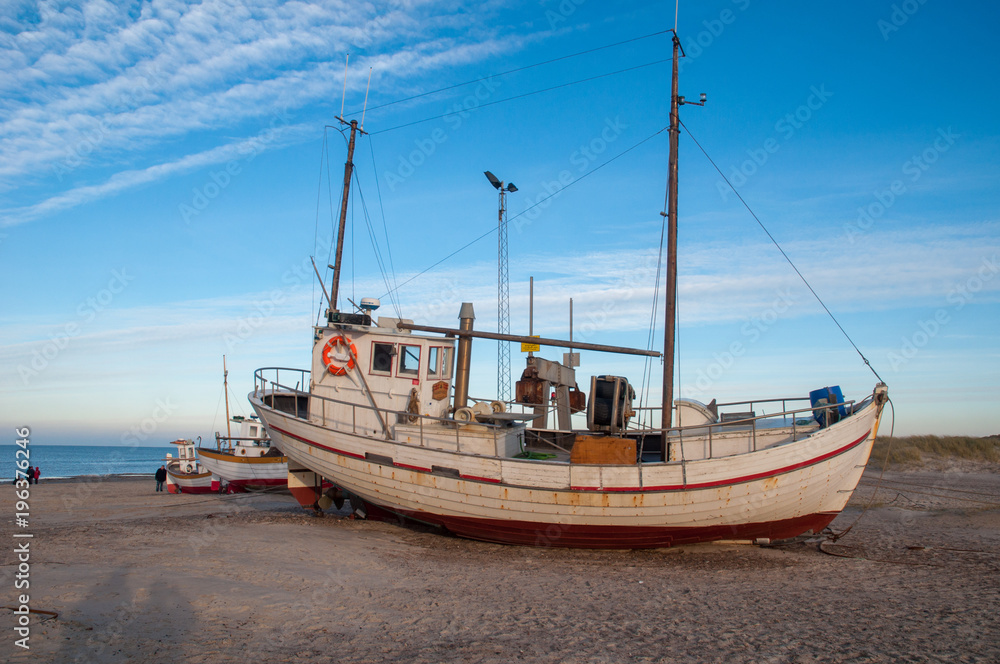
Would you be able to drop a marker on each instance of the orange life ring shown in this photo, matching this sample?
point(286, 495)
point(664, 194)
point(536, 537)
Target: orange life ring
point(332, 363)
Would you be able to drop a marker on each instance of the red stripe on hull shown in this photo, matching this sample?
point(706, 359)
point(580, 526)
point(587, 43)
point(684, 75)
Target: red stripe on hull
point(648, 489)
point(319, 445)
point(526, 533)
point(259, 482)
point(476, 478)
point(419, 469)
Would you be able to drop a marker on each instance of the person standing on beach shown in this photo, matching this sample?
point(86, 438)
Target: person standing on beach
point(161, 477)
point(30, 476)
point(38, 472)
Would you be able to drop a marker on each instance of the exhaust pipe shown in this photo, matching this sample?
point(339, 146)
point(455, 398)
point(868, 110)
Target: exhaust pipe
point(465, 316)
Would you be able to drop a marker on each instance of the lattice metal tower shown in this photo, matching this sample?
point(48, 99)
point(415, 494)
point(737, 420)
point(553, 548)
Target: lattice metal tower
point(503, 290)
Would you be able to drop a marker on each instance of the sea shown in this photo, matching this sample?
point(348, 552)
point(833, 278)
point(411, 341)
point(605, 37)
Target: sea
point(76, 460)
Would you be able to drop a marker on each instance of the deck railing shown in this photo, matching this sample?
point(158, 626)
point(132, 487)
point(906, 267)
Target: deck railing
point(264, 384)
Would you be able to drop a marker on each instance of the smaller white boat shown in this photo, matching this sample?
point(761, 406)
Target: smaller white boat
point(246, 462)
point(184, 473)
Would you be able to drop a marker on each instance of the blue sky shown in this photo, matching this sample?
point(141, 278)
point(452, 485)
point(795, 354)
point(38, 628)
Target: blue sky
point(164, 180)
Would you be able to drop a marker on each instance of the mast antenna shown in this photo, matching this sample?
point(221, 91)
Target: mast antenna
point(344, 96)
point(366, 100)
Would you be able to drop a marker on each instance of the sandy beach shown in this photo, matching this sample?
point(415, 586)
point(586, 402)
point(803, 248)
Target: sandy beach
point(140, 576)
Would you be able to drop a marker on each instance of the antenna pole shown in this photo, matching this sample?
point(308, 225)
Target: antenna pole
point(366, 99)
point(671, 290)
point(344, 96)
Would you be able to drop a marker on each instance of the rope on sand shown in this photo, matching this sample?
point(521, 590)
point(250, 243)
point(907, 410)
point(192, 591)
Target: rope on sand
point(50, 614)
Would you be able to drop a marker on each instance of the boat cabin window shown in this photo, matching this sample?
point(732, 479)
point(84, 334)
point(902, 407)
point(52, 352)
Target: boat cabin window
point(438, 362)
point(409, 360)
point(253, 431)
point(382, 358)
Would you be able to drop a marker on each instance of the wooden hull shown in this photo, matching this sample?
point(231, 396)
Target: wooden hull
point(775, 493)
point(243, 472)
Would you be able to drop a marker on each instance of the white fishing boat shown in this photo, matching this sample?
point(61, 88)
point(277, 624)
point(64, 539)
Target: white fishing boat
point(247, 461)
point(184, 473)
point(384, 414)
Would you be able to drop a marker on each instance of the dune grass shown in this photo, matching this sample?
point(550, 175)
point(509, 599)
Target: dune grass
point(916, 450)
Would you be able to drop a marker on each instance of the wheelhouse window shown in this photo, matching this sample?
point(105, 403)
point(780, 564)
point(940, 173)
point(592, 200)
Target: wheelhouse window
point(438, 362)
point(409, 360)
point(382, 358)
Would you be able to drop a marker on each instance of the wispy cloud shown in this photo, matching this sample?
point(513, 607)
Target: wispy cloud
point(98, 85)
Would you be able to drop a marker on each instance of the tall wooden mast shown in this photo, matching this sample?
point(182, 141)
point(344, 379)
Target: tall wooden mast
point(676, 101)
point(225, 390)
point(671, 294)
point(348, 173)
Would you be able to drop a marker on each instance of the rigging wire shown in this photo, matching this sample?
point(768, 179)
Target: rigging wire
point(375, 247)
point(775, 242)
point(647, 372)
point(385, 229)
point(514, 71)
point(527, 209)
point(218, 405)
point(319, 201)
point(834, 536)
point(353, 192)
point(522, 96)
point(936, 487)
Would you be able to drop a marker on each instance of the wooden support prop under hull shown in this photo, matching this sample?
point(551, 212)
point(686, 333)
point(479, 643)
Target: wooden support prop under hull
point(305, 485)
